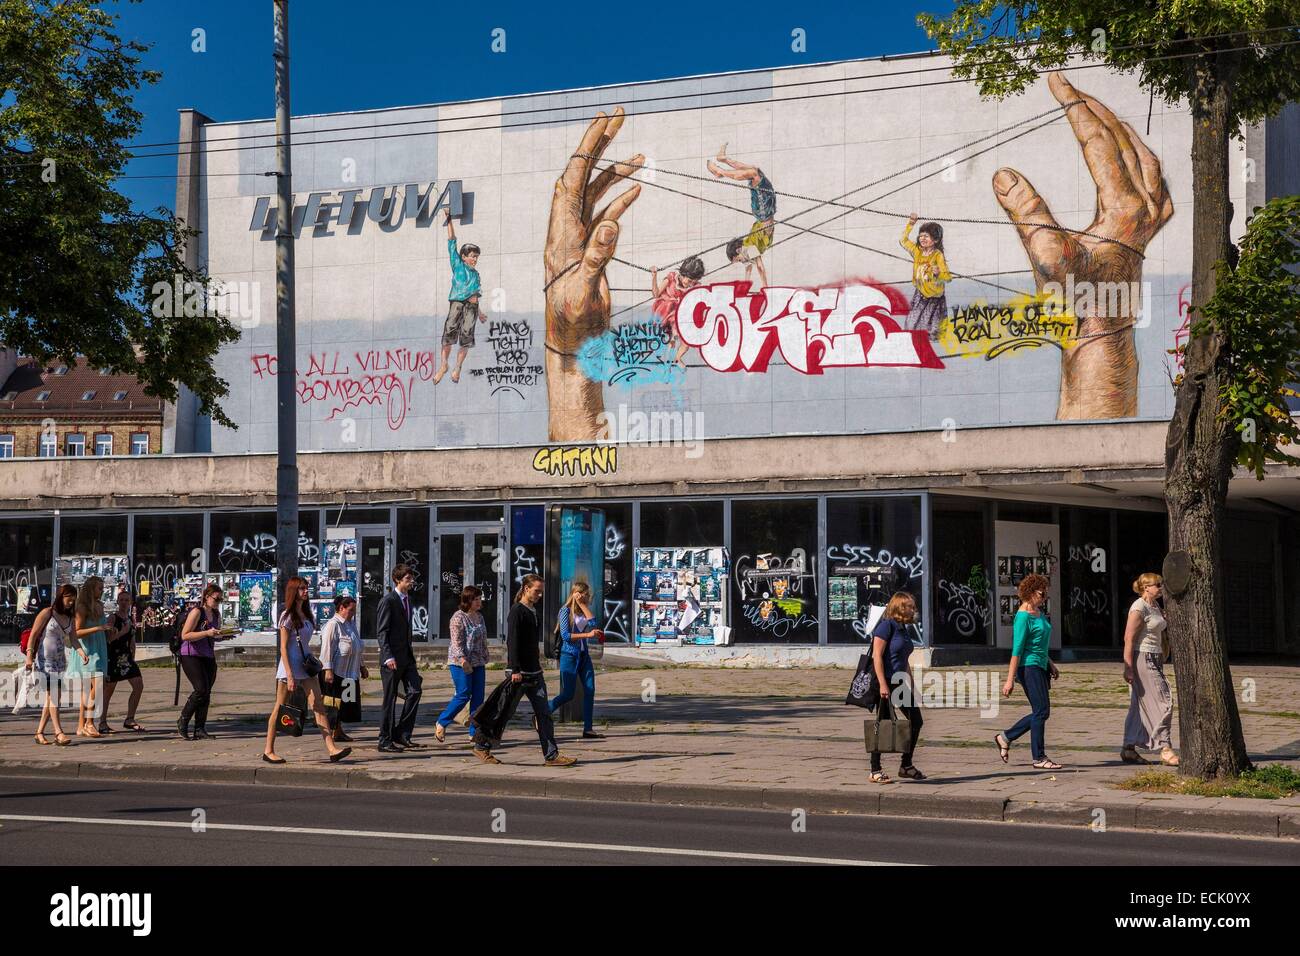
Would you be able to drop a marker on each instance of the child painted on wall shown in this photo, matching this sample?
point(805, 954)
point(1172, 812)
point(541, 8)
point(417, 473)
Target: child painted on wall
point(929, 276)
point(749, 249)
point(668, 294)
point(462, 304)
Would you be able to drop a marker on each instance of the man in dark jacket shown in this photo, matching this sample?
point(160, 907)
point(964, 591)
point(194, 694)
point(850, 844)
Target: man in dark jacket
point(524, 679)
point(397, 664)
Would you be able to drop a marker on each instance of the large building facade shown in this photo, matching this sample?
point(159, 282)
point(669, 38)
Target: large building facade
point(929, 346)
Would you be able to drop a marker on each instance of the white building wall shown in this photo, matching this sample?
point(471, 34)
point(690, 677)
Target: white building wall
point(379, 298)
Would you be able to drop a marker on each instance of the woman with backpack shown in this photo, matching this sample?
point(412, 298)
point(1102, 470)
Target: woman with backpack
point(576, 625)
point(52, 631)
point(198, 657)
point(298, 667)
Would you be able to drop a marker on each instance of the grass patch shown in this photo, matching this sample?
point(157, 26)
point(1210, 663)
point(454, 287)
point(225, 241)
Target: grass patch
point(1272, 782)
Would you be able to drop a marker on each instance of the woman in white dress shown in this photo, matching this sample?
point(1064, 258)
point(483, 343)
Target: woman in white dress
point(1146, 648)
point(52, 631)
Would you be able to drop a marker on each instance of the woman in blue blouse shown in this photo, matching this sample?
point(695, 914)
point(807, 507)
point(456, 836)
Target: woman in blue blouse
point(1031, 665)
point(577, 626)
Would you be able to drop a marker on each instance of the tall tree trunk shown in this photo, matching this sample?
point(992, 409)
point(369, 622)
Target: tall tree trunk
point(1200, 452)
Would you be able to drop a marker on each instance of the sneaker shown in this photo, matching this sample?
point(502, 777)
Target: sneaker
point(485, 756)
point(560, 760)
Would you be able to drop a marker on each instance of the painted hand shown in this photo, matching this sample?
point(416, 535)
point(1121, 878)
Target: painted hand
point(580, 241)
point(1099, 374)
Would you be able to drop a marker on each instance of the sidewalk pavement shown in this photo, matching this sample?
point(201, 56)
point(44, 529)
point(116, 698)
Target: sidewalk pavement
point(777, 739)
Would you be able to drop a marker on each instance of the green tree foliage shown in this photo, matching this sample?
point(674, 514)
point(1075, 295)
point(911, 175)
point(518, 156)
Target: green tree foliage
point(77, 263)
point(1256, 311)
point(1004, 46)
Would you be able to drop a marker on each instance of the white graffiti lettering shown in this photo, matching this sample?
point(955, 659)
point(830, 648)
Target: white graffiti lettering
point(852, 556)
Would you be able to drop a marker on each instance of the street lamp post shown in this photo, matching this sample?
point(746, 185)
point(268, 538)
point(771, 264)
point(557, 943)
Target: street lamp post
point(286, 473)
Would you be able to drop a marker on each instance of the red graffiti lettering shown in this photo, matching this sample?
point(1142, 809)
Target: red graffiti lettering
point(387, 380)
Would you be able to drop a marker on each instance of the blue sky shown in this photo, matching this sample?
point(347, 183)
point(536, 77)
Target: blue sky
point(347, 55)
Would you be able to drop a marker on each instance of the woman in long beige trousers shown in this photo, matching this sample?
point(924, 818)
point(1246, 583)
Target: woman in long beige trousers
point(1151, 706)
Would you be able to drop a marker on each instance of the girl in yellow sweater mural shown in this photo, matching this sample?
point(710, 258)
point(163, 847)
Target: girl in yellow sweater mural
point(929, 276)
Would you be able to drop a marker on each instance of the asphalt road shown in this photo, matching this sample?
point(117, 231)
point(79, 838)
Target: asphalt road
point(78, 822)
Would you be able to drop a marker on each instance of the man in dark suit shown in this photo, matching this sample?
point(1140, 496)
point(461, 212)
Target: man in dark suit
point(397, 664)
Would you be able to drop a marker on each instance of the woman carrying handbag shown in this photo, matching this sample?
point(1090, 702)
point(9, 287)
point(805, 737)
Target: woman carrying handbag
point(298, 668)
point(891, 649)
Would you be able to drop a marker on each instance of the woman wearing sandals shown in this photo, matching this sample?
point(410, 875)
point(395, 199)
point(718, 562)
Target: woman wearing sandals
point(52, 631)
point(891, 650)
point(295, 632)
point(1031, 665)
point(88, 671)
point(1150, 705)
point(120, 663)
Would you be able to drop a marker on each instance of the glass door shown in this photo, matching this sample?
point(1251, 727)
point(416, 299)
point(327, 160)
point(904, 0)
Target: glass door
point(374, 570)
point(470, 554)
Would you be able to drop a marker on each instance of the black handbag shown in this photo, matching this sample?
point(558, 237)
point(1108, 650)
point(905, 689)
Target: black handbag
point(292, 713)
point(864, 692)
point(311, 665)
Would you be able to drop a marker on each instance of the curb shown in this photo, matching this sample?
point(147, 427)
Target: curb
point(1151, 817)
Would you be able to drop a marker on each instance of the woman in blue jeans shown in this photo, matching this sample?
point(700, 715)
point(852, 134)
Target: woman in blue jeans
point(467, 658)
point(577, 626)
point(1031, 665)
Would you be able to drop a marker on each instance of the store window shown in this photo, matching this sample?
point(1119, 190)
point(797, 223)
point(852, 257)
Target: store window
point(774, 554)
point(167, 548)
point(346, 517)
point(245, 540)
point(615, 614)
point(468, 514)
point(681, 524)
point(413, 551)
point(26, 572)
point(1141, 542)
point(963, 605)
point(873, 549)
point(527, 544)
point(1086, 578)
point(93, 546)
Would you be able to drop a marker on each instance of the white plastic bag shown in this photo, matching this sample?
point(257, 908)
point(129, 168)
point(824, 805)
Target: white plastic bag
point(22, 681)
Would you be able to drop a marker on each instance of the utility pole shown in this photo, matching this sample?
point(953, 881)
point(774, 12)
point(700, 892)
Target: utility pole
point(286, 472)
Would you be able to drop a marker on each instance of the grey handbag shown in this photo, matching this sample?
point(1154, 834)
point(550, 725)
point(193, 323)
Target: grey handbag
point(892, 735)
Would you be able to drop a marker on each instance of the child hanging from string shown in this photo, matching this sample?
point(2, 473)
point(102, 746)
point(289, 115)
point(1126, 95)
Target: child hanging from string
point(929, 276)
point(749, 249)
point(669, 293)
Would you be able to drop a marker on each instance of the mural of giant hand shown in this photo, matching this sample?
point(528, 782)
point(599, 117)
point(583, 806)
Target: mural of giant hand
point(1099, 374)
point(579, 245)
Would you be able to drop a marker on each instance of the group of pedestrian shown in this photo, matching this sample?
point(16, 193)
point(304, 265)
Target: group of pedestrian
point(74, 643)
point(341, 669)
point(1146, 649)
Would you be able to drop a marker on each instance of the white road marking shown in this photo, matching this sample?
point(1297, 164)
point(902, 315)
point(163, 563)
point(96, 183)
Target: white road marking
point(452, 838)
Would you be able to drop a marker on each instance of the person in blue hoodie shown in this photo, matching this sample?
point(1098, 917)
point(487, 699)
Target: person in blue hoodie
point(462, 305)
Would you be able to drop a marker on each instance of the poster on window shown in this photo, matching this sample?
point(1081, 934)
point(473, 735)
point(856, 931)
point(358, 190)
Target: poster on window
point(256, 599)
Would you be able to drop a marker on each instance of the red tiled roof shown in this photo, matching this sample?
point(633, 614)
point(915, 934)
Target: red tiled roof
point(29, 380)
